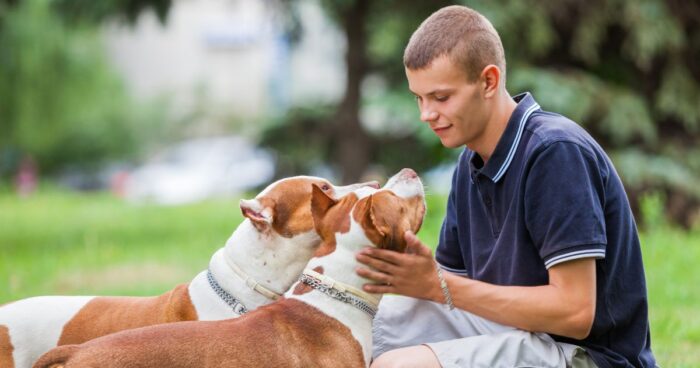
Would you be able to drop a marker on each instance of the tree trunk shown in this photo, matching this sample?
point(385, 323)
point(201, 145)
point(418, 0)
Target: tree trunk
point(354, 145)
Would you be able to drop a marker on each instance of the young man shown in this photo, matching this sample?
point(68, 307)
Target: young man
point(538, 255)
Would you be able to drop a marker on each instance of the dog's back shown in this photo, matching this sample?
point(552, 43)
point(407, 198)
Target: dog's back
point(288, 333)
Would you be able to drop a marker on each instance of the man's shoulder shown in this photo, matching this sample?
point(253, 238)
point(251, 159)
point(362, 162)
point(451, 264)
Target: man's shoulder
point(550, 127)
point(546, 128)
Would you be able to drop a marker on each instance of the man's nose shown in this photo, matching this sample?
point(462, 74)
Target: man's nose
point(427, 115)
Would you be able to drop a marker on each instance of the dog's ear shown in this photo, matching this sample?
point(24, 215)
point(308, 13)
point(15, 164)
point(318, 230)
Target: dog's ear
point(382, 224)
point(320, 204)
point(365, 216)
point(260, 215)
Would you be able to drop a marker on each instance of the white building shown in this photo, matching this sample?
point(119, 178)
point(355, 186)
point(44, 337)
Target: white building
point(229, 57)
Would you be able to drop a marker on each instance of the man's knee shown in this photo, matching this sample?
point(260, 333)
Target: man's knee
point(412, 356)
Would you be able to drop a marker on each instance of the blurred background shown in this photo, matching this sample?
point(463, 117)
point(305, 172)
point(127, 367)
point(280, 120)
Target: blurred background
point(135, 96)
point(129, 128)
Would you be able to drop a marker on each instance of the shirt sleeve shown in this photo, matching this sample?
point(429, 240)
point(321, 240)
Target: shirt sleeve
point(564, 201)
point(448, 253)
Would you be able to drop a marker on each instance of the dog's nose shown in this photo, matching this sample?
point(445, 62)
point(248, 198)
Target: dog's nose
point(372, 184)
point(408, 173)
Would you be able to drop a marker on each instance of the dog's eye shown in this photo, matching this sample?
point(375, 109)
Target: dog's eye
point(325, 187)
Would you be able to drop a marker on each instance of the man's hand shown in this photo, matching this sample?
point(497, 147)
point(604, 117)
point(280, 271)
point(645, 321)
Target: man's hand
point(411, 274)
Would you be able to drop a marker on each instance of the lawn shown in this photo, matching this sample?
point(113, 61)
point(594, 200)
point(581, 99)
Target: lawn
point(64, 243)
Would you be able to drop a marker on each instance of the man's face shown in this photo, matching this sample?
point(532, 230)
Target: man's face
point(453, 107)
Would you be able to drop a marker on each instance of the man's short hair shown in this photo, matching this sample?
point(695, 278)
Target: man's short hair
point(464, 35)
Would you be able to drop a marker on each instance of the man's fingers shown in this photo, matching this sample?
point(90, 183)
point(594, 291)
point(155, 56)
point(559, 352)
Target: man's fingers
point(382, 254)
point(376, 263)
point(379, 289)
point(412, 242)
point(415, 246)
point(377, 276)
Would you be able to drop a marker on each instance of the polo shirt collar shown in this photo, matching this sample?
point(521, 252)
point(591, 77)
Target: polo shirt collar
point(505, 149)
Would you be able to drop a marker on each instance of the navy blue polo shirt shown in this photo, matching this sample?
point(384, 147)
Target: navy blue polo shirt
point(548, 195)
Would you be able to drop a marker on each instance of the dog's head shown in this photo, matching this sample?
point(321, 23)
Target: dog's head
point(284, 207)
point(370, 217)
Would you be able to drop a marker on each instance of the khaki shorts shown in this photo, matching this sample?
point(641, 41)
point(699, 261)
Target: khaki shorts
point(462, 339)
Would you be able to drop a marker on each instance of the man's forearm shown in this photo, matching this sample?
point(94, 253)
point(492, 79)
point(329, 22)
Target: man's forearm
point(562, 310)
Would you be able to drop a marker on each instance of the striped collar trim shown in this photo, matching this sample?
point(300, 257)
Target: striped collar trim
point(505, 150)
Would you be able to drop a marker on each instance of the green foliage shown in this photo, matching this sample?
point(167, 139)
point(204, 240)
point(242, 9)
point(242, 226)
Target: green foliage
point(626, 70)
point(387, 113)
point(303, 138)
point(389, 28)
point(648, 171)
point(306, 140)
point(652, 210)
point(97, 11)
point(59, 100)
point(678, 97)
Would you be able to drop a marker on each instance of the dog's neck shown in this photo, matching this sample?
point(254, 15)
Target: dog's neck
point(340, 265)
point(275, 262)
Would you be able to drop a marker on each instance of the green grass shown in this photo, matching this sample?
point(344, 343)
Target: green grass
point(63, 243)
point(60, 243)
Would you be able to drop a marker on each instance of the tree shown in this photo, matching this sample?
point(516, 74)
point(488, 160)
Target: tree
point(97, 11)
point(626, 70)
point(375, 31)
point(59, 100)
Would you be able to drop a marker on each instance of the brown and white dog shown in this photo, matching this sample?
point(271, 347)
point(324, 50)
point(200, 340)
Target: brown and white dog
point(263, 257)
point(324, 321)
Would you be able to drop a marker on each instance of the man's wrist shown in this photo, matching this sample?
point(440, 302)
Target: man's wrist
point(445, 296)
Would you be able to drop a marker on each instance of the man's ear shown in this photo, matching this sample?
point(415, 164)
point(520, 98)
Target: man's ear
point(261, 216)
point(491, 79)
point(320, 204)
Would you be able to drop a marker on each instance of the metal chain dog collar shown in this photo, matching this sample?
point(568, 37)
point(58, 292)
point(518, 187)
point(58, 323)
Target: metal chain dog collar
point(338, 295)
point(229, 299)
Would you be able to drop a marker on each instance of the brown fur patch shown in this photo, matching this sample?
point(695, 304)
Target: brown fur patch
point(363, 216)
point(378, 216)
point(105, 315)
point(330, 217)
point(6, 348)
point(303, 288)
point(288, 333)
point(290, 201)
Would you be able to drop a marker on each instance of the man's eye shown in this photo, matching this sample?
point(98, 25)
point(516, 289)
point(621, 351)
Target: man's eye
point(442, 98)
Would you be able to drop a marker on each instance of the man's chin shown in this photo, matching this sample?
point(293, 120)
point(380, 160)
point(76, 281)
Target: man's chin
point(451, 143)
